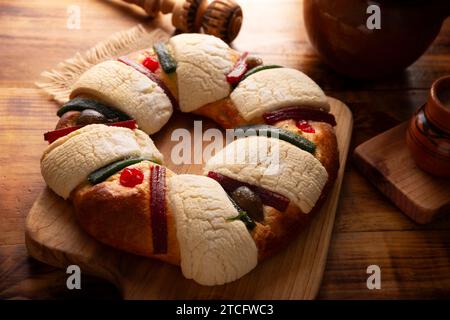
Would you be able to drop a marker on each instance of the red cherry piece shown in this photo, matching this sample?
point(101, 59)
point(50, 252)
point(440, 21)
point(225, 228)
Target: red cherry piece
point(131, 177)
point(151, 64)
point(238, 71)
point(305, 126)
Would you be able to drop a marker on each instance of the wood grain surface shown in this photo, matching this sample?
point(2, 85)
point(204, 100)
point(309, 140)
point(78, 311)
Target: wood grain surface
point(53, 236)
point(414, 260)
point(387, 162)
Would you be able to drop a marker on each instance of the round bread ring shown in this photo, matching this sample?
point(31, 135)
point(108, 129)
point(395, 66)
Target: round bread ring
point(110, 212)
point(120, 216)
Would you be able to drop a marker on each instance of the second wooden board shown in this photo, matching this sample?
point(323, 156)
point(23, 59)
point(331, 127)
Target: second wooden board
point(385, 160)
point(54, 237)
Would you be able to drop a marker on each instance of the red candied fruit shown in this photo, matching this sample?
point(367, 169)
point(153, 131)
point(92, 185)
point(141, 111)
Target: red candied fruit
point(305, 126)
point(131, 177)
point(238, 71)
point(151, 64)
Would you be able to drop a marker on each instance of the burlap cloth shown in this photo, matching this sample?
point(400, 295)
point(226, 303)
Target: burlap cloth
point(58, 81)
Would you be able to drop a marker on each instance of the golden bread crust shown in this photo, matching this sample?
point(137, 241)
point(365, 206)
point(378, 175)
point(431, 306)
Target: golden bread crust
point(279, 228)
point(120, 216)
point(225, 113)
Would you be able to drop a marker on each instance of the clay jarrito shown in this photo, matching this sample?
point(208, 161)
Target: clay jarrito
point(341, 33)
point(428, 134)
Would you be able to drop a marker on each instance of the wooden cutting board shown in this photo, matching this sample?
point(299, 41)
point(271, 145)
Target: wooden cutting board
point(54, 237)
point(385, 160)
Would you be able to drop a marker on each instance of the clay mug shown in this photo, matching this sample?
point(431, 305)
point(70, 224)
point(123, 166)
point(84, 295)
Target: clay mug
point(339, 31)
point(428, 134)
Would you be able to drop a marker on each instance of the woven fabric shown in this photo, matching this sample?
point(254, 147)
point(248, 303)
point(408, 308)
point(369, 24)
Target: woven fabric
point(58, 81)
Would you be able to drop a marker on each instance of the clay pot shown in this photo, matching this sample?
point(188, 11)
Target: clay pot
point(428, 135)
point(337, 29)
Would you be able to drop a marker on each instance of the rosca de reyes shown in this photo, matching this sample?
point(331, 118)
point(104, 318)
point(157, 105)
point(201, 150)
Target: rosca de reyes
point(256, 194)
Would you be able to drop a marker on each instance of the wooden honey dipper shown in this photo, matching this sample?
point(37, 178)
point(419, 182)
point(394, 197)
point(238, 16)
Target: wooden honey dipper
point(220, 18)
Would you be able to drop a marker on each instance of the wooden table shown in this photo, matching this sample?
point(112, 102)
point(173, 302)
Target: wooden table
point(414, 260)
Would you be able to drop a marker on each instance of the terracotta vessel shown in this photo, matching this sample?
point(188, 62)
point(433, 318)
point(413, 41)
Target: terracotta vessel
point(338, 31)
point(428, 135)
